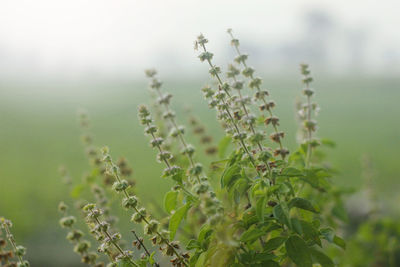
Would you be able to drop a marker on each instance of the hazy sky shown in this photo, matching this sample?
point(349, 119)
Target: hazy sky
point(128, 35)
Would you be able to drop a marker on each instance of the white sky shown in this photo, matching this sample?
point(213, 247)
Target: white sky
point(114, 35)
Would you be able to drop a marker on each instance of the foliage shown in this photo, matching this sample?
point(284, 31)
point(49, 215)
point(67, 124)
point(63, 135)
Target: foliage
point(257, 205)
point(11, 254)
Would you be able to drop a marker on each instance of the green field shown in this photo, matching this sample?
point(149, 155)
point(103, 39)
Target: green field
point(39, 132)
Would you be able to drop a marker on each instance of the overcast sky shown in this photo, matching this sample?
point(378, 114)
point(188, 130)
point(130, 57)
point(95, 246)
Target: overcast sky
point(76, 36)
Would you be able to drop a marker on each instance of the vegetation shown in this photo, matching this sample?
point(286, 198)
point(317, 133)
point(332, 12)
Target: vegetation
point(13, 256)
point(258, 204)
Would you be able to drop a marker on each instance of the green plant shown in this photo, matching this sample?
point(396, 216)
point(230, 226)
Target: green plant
point(258, 206)
point(14, 256)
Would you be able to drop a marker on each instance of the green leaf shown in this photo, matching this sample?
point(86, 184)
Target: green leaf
point(151, 258)
point(178, 177)
point(201, 260)
point(298, 251)
point(192, 244)
point(339, 211)
point(170, 201)
point(339, 242)
point(205, 232)
point(309, 232)
point(291, 172)
point(223, 146)
point(251, 234)
point(260, 208)
point(264, 257)
point(328, 143)
point(274, 243)
point(125, 263)
point(270, 264)
point(77, 190)
point(302, 203)
point(281, 213)
point(321, 258)
point(296, 225)
point(331, 237)
point(230, 175)
point(176, 219)
point(328, 234)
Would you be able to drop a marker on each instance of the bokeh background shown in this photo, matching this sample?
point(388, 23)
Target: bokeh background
point(59, 56)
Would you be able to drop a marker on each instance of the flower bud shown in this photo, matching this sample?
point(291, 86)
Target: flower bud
point(239, 136)
point(238, 85)
point(138, 216)
point(201, 39)
point(276, 137)
point(208, 92)
point(248, 72)
point(20, 251)
point(310, 125)
point(214, 71)
point(151, 227)
point(255, 83)
point(155, 84)
point(196, 169)
point(272, 120)
point(168, 115)
point(241, 58)
point(151, 129)
point(143, 111)
point(74, 235)
point(82, 247)
point(23, 264)
point(206, 56)
point(264, 156)
point(67, 221)
point(171, 171)
point(232, 71)
point(120, 186)
point(308, 92)
point(130, 202)
point(150, 72)
point(156, 142)
point(90, 258)
point(88, 207)
point(164, 155)
point(201, 188)
point(257, 138)
point(188, 150)
point(62, 207)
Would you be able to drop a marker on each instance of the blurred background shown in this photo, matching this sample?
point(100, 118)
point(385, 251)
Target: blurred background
point(59, 56)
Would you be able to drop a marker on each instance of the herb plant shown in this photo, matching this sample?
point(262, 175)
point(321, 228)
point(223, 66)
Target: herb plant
point(258, 205)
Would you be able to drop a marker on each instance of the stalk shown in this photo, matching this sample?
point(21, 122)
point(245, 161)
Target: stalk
point(255, 82)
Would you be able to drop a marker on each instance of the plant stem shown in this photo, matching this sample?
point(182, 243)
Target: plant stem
point(259, 90)
point(114, 243)
point(12, 241)
point(166, 241)
point(230, 115)
point(180, 135)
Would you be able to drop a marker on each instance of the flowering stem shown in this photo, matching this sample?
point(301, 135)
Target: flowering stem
point(12, 241)
point(113, 242)
point(243, 62)
point(309, 131)
point(180, 135)
point(230, 115)
point(166, 241)
point(144, 247)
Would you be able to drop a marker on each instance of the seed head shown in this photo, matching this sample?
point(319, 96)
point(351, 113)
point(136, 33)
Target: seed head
point(67, 222)
point(120, 185)
point(130, 202)
point(150, 72)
